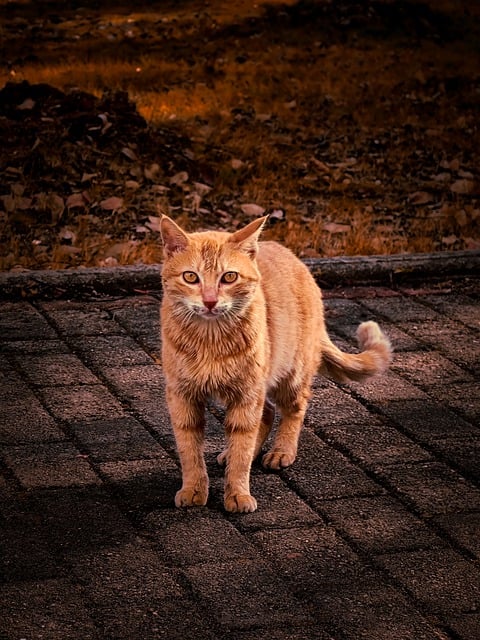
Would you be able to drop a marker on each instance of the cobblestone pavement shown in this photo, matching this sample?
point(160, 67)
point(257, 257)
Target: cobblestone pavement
point(372, 533)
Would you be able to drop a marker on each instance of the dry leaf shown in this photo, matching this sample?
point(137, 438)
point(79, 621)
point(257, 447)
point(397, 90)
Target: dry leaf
point(113, 203)
point(252, 210)
point(420, 197)
point(236, 164)
point(449, 240)
point(56, 205)
point(75, 200)
point(462, 186)
point(153, 223)
point(152, 171)
point(129, 153)
point(179, 178)
point(334, 227)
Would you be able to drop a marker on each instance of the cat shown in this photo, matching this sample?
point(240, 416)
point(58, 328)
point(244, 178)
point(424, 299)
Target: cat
point(243, 322)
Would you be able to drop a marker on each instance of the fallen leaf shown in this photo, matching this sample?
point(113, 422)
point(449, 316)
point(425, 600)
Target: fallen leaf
point(236, 164)
point(252, 210)
point(26, 105)
point(179, 178)
point(420, 197)
point(153, 223)
point(129, 153)
point(334, 227)
point(449, 240)
point(114, 203)
point(75, 200)
point(56, 205)
point(462, 186)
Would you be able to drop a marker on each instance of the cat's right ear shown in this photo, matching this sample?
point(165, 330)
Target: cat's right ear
point(174, 239)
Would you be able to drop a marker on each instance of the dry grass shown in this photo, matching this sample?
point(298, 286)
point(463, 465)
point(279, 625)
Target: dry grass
point(337, 125)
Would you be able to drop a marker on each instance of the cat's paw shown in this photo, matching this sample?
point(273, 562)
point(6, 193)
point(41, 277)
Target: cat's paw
point(222, 458)
point(191, 497)
point(237, 503)
point(278, 459)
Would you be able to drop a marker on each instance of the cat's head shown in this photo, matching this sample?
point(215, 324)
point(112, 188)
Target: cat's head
point(212, 274)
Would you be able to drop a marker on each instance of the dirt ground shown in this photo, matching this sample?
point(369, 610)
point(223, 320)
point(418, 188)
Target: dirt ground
point(354, 124)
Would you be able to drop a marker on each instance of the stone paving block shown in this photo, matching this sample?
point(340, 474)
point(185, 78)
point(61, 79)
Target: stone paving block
point(428, 421)
point(331, 406)
point(86, 321)
point(23, 322)
point(56, 464)
point(456, 306)
point(375, 444)
point(379, 524)
point(464, 528)
point(451, 338)
point(25, 550)
point(33, 346)
point(278, 505)
point(441, 579)
point(463, 454)
point(131, 592)
point(433, 487)
point(118, 439)
point(104, 352)
point(23, 420)
point(55, 369)
point(284, 633)
point(467, 627)
point(143, 485)
point(244, 593)
point(321, 473)
point(428, 368)
point(401, 341)
point(311, 560)
point(400, 309)
point(76, 403)
point(139, 316)
point(47, 609)
point(138, 382)
point(463, 397)
point(196, 536)
point(81, 520)
point(389, 386)
point(374, 611)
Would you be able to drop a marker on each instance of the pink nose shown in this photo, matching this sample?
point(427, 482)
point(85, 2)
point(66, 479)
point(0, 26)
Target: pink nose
point(209, 304)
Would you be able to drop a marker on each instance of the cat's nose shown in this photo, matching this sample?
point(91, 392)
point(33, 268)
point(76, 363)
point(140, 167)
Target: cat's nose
point(209, 304)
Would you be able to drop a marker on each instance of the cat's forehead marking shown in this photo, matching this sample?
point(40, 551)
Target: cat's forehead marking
point(210, 253)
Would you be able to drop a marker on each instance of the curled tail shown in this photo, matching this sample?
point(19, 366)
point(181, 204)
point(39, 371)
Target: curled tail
point(374, 358)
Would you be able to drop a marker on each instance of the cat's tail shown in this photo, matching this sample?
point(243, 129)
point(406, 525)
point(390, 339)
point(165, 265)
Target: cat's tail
point(375, 356)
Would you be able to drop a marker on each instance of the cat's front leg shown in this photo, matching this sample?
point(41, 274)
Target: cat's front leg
point(241, 426)
point(188, 421)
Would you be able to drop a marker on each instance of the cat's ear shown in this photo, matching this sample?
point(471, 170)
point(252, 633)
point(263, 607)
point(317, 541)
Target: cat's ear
point(247, 238)
point(174, 239)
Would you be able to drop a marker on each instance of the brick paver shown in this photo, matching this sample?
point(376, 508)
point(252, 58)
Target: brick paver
point(372, 533)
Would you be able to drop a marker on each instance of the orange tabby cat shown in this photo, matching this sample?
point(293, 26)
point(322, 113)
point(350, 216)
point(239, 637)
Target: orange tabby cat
point(242, 321)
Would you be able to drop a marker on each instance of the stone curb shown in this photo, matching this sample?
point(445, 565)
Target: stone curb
point(329, 272)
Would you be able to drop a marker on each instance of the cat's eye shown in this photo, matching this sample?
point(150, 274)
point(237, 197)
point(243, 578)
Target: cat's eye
point(229, 277)
point(190, 277)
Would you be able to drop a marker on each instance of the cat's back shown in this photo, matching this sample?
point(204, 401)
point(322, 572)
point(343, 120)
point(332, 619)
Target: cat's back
point(279, 266)
point(287, 283)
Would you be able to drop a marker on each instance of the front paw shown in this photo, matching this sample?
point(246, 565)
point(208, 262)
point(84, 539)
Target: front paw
point(278, 459)
point(191, 497)
point(237, 503)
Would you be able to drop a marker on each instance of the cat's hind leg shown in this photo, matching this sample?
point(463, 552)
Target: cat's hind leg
point(292, 402)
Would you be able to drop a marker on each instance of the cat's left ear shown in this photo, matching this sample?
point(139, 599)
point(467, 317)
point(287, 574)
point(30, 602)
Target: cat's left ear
point(247, 238)
point(174, 238)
